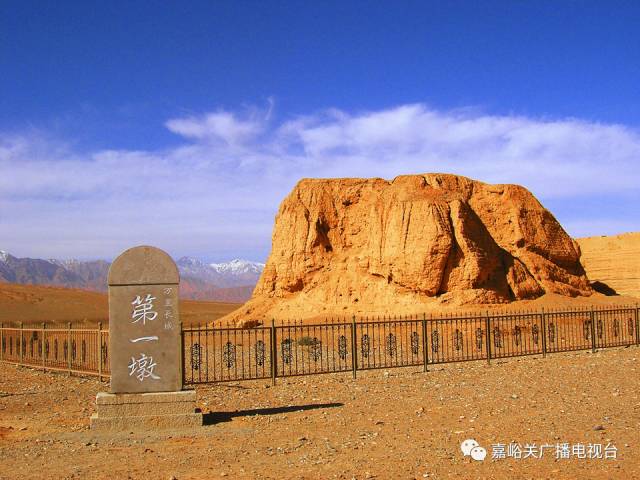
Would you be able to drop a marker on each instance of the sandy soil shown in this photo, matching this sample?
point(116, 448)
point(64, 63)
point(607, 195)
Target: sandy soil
point(395, 424)
point(33, 304)
point(547, 302)
point(56, 306)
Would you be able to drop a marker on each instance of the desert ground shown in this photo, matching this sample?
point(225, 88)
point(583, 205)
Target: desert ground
point(400, 424)
point(34, 304)
point(56, 306)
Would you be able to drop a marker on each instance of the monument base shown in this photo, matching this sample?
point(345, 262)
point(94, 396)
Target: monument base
point(145, 411)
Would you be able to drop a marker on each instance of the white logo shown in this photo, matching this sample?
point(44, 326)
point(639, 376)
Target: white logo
point(478, 453)
point(472, 448)
point(517, 451)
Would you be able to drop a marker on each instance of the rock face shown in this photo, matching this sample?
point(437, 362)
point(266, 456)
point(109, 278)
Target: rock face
point(613, 262)
point(376, 245)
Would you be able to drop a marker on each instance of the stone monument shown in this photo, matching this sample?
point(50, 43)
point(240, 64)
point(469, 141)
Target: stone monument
point(145, 350)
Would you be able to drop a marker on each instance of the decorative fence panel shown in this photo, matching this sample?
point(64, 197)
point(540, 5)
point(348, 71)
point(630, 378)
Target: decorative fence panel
point(314, 348)
point(220, 354)
point(82, 351)
point(516, 335)
point(223, 354)
point(568, 331)
point(616, 327)
point(387, 344)
point(457, 339)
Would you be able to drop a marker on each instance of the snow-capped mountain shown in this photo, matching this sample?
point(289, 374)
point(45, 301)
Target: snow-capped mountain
point(35, 271)
point(93, 273)
point(189, 265)
point(235, 273)
point(229, 281)
point(238, 267)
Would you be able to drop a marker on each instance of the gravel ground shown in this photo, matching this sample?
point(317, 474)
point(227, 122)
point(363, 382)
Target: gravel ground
point(386, 424)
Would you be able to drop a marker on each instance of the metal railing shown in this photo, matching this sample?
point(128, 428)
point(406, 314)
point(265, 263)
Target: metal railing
point(226, 353)
point(73, 350)
point(219, 354)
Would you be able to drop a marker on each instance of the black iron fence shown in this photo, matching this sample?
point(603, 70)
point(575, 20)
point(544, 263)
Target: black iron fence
point(226, 353)
point(219, 354)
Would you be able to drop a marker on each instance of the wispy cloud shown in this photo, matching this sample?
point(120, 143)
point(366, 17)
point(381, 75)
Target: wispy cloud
point(219, 126)
point(216, 193)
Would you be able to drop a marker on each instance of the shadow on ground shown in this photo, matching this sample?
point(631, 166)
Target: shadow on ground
point(212, 418)
point(603, 288)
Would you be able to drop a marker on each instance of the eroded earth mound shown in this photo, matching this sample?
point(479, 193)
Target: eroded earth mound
point(341, 244)
point(613, 262)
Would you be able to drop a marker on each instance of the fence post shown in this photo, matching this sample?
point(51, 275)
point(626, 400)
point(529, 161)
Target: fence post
point(183, 354)
point(69, 347)
point(273, 353)
point(593, 330)
point(425, 345)
point(354, 353)
point(637, 324)
point(488, 328)
point(100, 353)
point(42, 348)
point(544, 334)
point(2, 342)
point(21, 345)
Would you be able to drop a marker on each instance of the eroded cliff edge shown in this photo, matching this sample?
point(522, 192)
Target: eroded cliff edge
point(376, 245)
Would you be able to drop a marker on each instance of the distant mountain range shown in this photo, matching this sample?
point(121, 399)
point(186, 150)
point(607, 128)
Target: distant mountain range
point(235, 273)
point(228, 282)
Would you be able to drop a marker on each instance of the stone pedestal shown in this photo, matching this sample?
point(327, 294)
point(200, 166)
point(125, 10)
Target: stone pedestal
point(145, 411)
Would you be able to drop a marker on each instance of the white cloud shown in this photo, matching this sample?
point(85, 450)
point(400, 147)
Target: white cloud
point(551, 157)
point(220, 126)
point(220, 189)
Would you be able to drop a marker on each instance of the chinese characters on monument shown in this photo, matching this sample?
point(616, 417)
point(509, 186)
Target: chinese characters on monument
point(144, 326)
point(143, 311)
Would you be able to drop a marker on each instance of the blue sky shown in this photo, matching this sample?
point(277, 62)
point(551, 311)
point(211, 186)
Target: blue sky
point(184, 124)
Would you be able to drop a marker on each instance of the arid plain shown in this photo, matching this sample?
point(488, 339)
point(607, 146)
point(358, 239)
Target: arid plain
point(35, 304)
